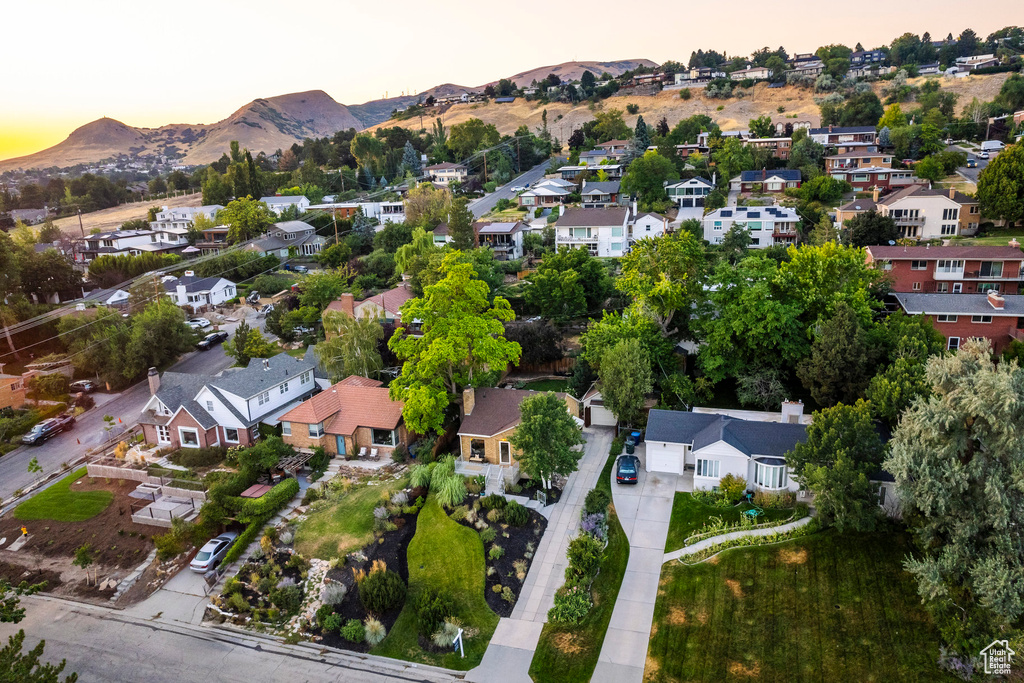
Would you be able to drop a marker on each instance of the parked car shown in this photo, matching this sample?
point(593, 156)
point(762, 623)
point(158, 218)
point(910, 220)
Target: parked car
point(296, 269)
point(627, 470)
point(983, 154)
point(972, 163)
point(198, 323)
point(82, 386)
point(517, 188)
point(266, 309)
point(211, 340)
point(210, 555)
point(47, 428)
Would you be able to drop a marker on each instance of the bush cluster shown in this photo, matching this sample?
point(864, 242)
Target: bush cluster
point(433, 607)
point(572, 604)
point(353, 631)
point(381, 590)
point(597, 501)
point(199, 457)
point(584, 553)
point(516, 514)
point(493, 502)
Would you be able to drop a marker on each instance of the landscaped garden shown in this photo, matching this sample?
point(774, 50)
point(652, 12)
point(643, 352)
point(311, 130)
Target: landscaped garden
point(693, 517)
point(825, 607)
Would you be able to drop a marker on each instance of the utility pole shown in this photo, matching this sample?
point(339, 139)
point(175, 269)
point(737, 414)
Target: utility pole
point(80, 226)
point(334, 213)
point(485, 167)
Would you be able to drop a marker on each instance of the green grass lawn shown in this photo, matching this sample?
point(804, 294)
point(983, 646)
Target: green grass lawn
point(548, 385)
point(689, 515)
point(994, 239)
point(568, 654)
point(61, 504)
point(343, 527)
point(450, 557)
point(827, 607)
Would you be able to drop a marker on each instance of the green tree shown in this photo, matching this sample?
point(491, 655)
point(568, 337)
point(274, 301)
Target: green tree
point(930, 168)
point(841, 452)
point(840, 364)
point(556, 294)
point(824, 231)
point(460, 225)
point(646, 178)
point(871, 228)
point(664, 275)
point(411, 160)
point(893, 117)
point(216, 189)
point(641, 137)
point(462, 336)
point(246, 218)
point(351, 346)
point(1001, 185)
point(546, 438)
point(158, 335)
point(956, 458)
point(470, 136)
point(26, 667)
point(735, 242)
point(591, 273)
point(777, 65)
point(321, 287)
point(733, 157)
point(609, 125)
point(895, 389)
point(421, 245)
point(625, 379)
point(761, 127)
point(235, 347)
point(335, 255)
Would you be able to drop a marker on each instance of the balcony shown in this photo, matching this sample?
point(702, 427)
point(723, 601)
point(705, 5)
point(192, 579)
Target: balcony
point(569, 239)
point(906, 220)
point(949, 274)
point(1006, 275)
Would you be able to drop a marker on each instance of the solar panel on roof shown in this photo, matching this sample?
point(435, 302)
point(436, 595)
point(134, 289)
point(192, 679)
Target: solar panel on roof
point(754, 214)
point(726, 213)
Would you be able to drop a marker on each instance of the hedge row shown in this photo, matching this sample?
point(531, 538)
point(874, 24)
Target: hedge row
point(267, 507)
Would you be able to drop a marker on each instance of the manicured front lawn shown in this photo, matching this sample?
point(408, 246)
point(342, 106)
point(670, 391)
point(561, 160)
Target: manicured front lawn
point(994, 239)
point(450, 557)
point(689, 515)
point(568, 654)
point(547, 385)
point(827, 607)
point(61, 504)
point(343, 527)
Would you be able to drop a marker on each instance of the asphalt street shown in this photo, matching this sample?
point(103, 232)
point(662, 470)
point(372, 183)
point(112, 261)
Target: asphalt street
point(972, 173)
point(485, 204)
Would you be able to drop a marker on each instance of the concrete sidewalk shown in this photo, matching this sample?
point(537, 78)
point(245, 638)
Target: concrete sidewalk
point(511, 649)
point(715, 540)
point(644, 511)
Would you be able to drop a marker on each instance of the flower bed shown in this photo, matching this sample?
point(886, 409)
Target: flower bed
point(530, 487)
point(777, 537)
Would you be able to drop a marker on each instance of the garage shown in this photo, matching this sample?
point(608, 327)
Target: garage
point(599, 415)
point(665, 457)
point(687, 202)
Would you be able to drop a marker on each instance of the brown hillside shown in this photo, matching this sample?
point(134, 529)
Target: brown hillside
point(573, 71)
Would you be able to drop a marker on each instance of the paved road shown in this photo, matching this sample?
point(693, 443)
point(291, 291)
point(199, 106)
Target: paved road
point(972, 173)
point(104, 645)
point(89, 429)
point(485, 204)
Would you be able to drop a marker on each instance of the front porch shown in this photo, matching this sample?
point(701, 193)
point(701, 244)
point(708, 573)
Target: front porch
point(496, 477)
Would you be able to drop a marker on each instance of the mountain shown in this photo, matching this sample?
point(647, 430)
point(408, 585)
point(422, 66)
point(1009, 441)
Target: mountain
point(377, 111)
point(572, 71)
point(262, 125)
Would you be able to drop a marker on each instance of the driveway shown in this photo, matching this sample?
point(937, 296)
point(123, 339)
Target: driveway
point(644, 511)
point(972, 173)
point(488, 202)
point(182, 599)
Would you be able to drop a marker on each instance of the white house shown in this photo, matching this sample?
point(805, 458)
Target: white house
point(547, 192)
point(118, 243)
point(689, 193)
point(649, 225)
point(504, 239)
point(755, 72)
point(189, 290)
point(287, 235)
point(172, 224)
point(445, 173)
point(717, 445)
point(604, 232)
point(768, 225)
point(279, 204)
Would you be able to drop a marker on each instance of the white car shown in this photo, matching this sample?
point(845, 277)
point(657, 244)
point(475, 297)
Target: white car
point(212, 553)
point(198, 323)
point(518, 188)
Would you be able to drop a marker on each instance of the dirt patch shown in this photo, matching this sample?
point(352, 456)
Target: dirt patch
point(16, 573)
point(752, 671)
point(702, 617)
point(714, 560)
point(676, 616)
point(791, 556)
point(735, 587)
point(112, 218)
point(651, 669)
point(569, 643)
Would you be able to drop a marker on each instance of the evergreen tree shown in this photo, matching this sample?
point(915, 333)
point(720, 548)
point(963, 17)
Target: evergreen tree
point(411, 160)
point(641, 137)
point(841, 363)
point(460, 225)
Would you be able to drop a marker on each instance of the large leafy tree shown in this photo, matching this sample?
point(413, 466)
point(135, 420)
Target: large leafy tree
point(351, 346)
point(633, 323)
point(461, 337)
point(836, 461)
point(591, 274)
point(557, 294)
point(646, 177)
point(871, 228)
point(958, 459)
point(246, 218)
point(546, 438)
point(1001, 185)
point(470, 136)
point(158, 336)
point(321, 287)
point(839, 367)
point(664, 275)
point(625, 379)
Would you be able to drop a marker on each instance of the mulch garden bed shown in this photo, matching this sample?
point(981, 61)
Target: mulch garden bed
point(530, 488)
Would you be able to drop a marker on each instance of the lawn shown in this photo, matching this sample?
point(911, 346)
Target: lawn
point(568, 654)
point(827, 607)
point(61, 504)
point(689, 515)
point(450, 557)
point(993, 239)
point(343, 527)
point(547, 385)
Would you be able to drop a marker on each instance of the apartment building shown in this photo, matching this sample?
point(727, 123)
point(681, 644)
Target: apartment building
point(962, 316)
point(952, 269)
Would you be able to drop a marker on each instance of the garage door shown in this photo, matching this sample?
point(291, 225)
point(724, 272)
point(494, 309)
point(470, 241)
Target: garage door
point(601, 416)
point(664, 458)
point(687, 203)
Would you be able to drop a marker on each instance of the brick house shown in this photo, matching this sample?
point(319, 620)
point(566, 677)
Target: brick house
point(876, 177)
point(962, 316)
point(198, 411)
point(355, 413)
point(387, 305)
point(12, 391)
point(952, 269)
point(857, 159)
point(780, 147)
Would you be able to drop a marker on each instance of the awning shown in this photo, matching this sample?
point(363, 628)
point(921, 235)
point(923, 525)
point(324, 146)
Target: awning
point(774, 462)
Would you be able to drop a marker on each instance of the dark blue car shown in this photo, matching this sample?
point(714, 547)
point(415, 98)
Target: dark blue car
point(627, 470)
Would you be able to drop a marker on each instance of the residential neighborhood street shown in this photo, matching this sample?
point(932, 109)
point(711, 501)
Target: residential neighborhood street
point(485, 204)
point(972, 173)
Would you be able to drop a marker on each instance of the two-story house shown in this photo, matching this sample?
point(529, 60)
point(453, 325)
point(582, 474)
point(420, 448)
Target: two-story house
point(284, 236)
point(836, 135)
point(198, 411)
point(923, 213)
point(950, 270)
point(779, 147)
point(697, 76)
point(767, 181)
point(197, 292)
point(758, 73)
point(603, 232)
point(504, 239)
point(597, 195)
point(354, 415)
point(962, 316)
point(767, 225)
point(278, 203)
point(442, 174)
point(12, 391)
point(857, 159)
point(172, 224)
point(571, 173)
point(648, 225)
point(214, 240)
point(115, 243)
point(689, 193)
point(876, 177)
point(861, 57)
point(547, 193)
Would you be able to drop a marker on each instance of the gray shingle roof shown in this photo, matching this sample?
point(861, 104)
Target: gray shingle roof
point(602, 187)
point(959, 304)
point(593, 217)
point(192, 283)
point(703, 429)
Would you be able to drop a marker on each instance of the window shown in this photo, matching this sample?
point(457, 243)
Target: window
point(263, 398)
point(950, 214)
point(919, 265)
point(617, 231)
point(718, 225)
point(616, 246)
point(708, 468)
point(953, 344)
point(991, 269)
point(476, 449)
point(189, 437)
point(942, 287)
point(286, 429)
point(209, 406)
point(581, 232)
point(230, 435)
point(946, 318)
point(316, 431)
point(984, 319)
point(917, 287)
point(305, 377)
point(163, 434)
point(984, 288)
point(504, 453)
point(860, 177)
point(770, 476)
point(755, 241)
point(958, 287)
point(383, 437)
point(949, 229)
point(284, 388)
point(949, 266)
point(886, 265)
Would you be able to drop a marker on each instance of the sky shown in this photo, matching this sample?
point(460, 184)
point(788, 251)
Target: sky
point(148, 64)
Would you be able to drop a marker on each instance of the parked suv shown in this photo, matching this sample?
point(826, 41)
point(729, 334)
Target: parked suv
point(47, 428)
point(211, 340)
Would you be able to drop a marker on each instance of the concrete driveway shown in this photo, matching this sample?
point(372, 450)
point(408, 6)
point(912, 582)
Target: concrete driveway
point(182, 599)
point(644, 511)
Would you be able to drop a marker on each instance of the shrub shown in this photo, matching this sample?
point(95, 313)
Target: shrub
point(374, 631)
point(459, 513)
point(685, 94)
point(597, 500)
point(322, 614)
point(287, 599)
point(496, 552)
point(353, 631)
point(618, 444)
point(516, 514)
point(496, 588)
point(595, 525)
point(401, 498)
point(451, 491)
point(433, 607)
point(538, 212)
point(710, 497)
point(507, 595)
point(733, 487)
point(487, 535)
point(333, 593)
point(332, 623)
point(474, 485)
point(493, 501)
point(780, 499)
point(495, 515)
point(198, 457)
point(632, 108)
point(286, 538)
point(571, 605)
point(584, 555)
point(168, 546)
point(272, 501)
point(381, 590)
point(237, 602)
point(420, 475)
point(399, 453)
point(521, 568)
point(445, 635)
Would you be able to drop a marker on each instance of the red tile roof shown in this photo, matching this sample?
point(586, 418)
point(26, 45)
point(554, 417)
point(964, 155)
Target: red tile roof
point(351, 403)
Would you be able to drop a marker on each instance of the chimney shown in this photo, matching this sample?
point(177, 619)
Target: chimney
point(266, 364)
point(1014, 243)
point(997, 302)
point(154, 381)
point(830, 128)
point(561, 209)
point(792, 411)
point(190, 273)
point(952, 193)
point(874, 195)
point(348, 303)
point(468, 400)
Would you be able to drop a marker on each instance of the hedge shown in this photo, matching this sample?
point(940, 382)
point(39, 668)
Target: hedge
point(266, 506)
